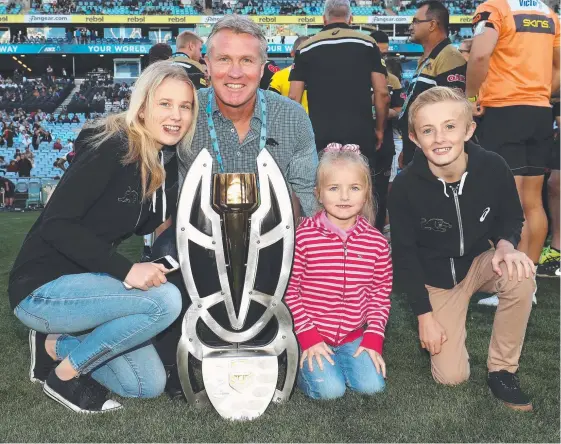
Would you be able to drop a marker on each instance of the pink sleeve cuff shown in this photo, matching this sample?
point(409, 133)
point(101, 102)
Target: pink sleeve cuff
point(309, 338)
point(373, 341)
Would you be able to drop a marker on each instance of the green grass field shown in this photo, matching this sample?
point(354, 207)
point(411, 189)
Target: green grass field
point(412, 409)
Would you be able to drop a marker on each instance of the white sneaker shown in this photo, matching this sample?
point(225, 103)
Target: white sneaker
point(491, 301)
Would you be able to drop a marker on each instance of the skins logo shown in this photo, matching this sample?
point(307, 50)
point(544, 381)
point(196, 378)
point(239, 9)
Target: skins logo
point(456, 78)
point(273, 68)
point(534, 23)
point(529, 23)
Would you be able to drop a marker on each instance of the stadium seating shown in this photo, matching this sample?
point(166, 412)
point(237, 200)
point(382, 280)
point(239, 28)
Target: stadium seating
point(10, 9)
point(47, 103)
point(456, 7)
point(45, 156)
point(119, 7)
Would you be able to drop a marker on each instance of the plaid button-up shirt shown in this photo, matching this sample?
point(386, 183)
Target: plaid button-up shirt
point(292, 144)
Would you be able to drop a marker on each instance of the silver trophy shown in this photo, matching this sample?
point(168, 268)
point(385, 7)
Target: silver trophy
point(235, 239)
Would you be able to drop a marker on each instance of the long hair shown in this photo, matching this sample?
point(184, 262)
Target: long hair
point(327, 159)
point(142, 147)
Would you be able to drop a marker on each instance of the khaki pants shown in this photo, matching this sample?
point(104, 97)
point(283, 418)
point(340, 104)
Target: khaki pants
point(451, 365)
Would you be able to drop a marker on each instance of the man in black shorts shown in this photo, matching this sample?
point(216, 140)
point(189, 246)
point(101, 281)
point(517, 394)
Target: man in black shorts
point(548, 266)
point(384, 156)
point(9, 191)
point(510, 80)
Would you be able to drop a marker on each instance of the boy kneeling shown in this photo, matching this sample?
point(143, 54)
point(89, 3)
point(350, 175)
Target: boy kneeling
point(446, 209)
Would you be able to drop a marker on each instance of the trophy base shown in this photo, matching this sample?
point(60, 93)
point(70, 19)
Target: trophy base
point(240, 384)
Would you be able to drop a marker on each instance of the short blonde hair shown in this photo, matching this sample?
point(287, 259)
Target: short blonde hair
point(328, 159)
point(186, 37)
point(436, 95)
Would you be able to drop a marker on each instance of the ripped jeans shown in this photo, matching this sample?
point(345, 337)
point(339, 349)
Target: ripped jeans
point(359, 374)
point(117, 351)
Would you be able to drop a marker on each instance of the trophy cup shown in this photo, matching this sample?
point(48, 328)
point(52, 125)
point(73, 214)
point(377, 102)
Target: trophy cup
point(235, 239)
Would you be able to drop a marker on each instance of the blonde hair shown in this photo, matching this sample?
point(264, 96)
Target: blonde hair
point(186, 37)
point(434, 95)
point(142, 145)
point(327, 159)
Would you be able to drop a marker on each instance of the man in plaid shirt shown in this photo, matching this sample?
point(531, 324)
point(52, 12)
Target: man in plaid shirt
point(237, 51)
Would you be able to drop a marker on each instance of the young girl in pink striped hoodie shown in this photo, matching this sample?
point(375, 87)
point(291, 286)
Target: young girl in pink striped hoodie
point(341, 280)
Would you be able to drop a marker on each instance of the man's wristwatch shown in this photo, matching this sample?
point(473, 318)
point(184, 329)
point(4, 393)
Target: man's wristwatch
point(473, 99)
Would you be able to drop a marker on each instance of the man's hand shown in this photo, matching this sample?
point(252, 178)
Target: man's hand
point(376, 359)
point(505, 252)
point(478, 109)
point(317, 351)
point(431, 333)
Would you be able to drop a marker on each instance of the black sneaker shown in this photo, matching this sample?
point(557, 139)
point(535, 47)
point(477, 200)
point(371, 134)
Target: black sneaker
point(41, 363)
point(549, 269)
point(173, 384)
point(506, 387)
point(81, 394)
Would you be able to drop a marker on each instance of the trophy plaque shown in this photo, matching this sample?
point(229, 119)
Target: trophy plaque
point(235, 239)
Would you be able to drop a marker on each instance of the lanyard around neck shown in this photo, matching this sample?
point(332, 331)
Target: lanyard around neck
point(212, 128)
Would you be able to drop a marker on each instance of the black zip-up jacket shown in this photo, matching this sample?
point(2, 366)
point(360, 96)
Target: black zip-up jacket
point(97, 204)
point(438, 229)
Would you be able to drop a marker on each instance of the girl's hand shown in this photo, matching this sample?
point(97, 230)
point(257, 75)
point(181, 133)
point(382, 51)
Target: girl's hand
point(146, 275)
point(376, 359)
point(317, 351)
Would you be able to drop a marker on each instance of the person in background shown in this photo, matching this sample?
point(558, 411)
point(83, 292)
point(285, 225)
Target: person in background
point(9, 189)
point(24, 165)
point(57, 145)
point(339, 94)
point(159, 51)
point(188, 54)
point(465, 48)
point(512, 72)
point(280, 81)
point(548, 266)
point(440, 65)
point(386, 153)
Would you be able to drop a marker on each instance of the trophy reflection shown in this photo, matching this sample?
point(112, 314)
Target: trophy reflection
point(235, 198)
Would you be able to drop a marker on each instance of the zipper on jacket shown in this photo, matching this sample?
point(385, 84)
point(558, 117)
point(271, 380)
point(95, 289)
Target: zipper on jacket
point(453, 271)
point(459, 214)
point(139, 214)
point(344, 286)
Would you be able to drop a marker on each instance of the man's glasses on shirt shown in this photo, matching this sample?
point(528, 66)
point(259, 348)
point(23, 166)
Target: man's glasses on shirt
point(416, 21)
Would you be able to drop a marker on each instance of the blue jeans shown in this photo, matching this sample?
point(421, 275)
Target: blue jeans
point(116, 351)
point(359, 374)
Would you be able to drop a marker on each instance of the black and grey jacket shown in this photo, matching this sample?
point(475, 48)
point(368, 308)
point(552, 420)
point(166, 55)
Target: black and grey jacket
point(194, 69)
point(97, 204)
point(438, 229)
